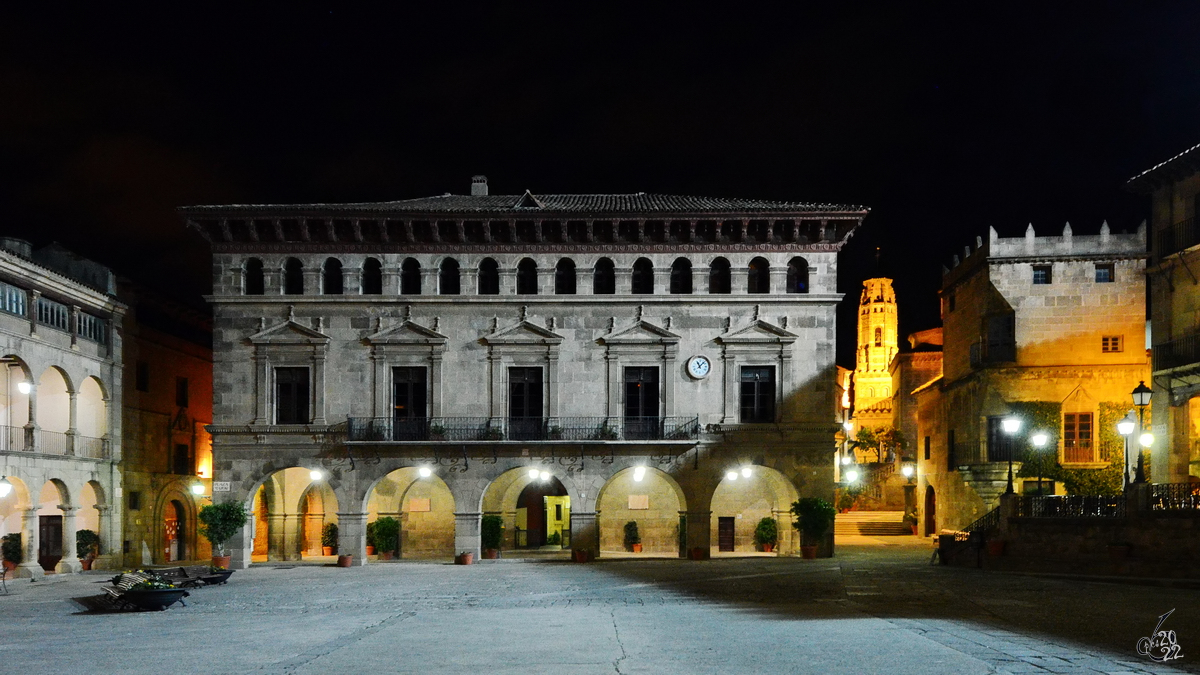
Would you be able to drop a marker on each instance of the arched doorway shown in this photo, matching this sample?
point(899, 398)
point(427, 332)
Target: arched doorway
point(543, 516)
point(51, 547)
point(930, 511)
point(425, 508)
point(174, 531)
point(746, 495)
point(648, 497)
point(281, 530)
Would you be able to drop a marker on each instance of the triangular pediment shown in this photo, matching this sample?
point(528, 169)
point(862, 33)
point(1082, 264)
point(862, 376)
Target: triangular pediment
point(759, 332)
point(289, 332)
point(641, 333)
point(528, 201)
point(407, 333)
point(523, 333)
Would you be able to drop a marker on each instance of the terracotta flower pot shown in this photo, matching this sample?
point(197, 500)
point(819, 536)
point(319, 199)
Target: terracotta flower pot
point(386, 555)
point(326, 550)
point(221, 561)
point(581, 555)
point(808, 552)
point(995, 547)
point(491, 554)
point(637, 548)
point(370, 550)
point(466, 558)
point(10, 565)
point(768, 548)
point(86, 563)
point(344, 560)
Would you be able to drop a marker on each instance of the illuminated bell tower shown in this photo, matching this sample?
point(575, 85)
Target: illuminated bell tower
point(876, 343)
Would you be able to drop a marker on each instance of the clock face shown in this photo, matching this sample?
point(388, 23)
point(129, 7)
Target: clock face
point(698, 367)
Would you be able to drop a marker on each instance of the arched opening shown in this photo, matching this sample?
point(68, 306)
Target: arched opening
point(91, 419)
point(53, 412)
point(284, 528)
point(759, 278)
point(372, 277)
point(410, 277)
point(564, 277)
point(797, 275)
point(87, 517)
point(174, 531)
point(604, 277)
point(648, 497)
point(423, 505)
point(13, 507)
point(331, 277)
point(14, 403)
point(489, 277)
point(741, 501)
point(51, 547)
point(642, 282)
point(681, 276)
point(448, 282)
point(930, 511)
point(253, 282)
point(719, 277)
point(527, 282)
point(293, 277)
point(878, 337)
point(534, 505)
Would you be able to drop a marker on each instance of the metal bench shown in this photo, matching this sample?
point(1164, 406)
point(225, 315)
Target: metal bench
point(123, 594)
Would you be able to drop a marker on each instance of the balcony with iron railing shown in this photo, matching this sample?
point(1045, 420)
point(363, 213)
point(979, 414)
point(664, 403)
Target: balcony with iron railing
point(491, 429)
point(42, 441)
point(1079, 452)
point(1177, 353)
point(1175, 238)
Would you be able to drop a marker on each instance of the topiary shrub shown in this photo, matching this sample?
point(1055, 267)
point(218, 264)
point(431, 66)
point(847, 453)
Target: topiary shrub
point(814, 518)
point(219, 522)
point(87, 544)
point(329, 536)
point(766, 532)
point(387, 535)
point(10, 547)
point(491, 531)
point(631, 534)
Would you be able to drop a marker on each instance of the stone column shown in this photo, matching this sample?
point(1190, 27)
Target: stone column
point(313, 522)
point(508, 281)
point(468, 280)
point(31, 427)
point(699, 279)
point(546, 281)
point(33, 321)
point(29, 567)
point(466, 533)
point(351, 280)
point(624, 280)
point(739, 280)
point(110, 541)
point(70, 562)
point(72, 416)
point(352, 537)
point(430, 276)
point(73, 326)
point(293, 545)
point(699, 535)
point(312, 280)
point(390, 278)
point(585, 532)
point(277, 536)
point(240, 546)
point(778, 279)
point(789, 539)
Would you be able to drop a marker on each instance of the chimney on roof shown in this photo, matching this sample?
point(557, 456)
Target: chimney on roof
point(18, 246)
point(479, 186)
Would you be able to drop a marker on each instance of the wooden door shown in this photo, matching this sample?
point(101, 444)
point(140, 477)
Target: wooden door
point(49, 541)
point(725, 534)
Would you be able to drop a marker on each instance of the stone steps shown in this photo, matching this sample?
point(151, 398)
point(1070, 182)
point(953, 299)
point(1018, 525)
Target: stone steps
point(871, 524)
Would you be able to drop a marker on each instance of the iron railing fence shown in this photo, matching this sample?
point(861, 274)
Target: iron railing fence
point(1074, 506)
point(51, 442)
point(434, 429)
point(1180, 352)
point(1174, 496)
point(1078, 452)
point(87, 446)
point(1175, 238)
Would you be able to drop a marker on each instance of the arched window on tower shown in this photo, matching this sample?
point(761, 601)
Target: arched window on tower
point(797, 276)
point(759, 278)
point(372, 277)
point(331, 277)
point(681, 276)
point(564, 277)
point(254, 277)
point(643, 277)
point(293, 277)
point(604, 277)
point(410, 277)
point(448, 277)
point(718, 276)
point(527, 281)
point(489, 277)
point(878, 337)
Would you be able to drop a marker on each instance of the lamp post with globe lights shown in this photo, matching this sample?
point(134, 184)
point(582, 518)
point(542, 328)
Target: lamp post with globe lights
point(1039, 440)
point(1125, 427)
point(1010, 426)
point(1141, 398)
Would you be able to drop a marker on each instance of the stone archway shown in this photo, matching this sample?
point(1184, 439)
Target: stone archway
point(278, 504)
point(930, 511)
point(423, 504)
point(649, 497)
point(747, 494)
point(519, 495)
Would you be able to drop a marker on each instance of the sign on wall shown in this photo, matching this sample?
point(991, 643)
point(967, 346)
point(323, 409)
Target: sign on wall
point(418, 505)
point(220, 486)
point(639, 502)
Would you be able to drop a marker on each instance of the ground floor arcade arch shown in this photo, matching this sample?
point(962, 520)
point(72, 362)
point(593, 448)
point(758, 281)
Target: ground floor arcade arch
point(424, 506)
point(746, 495)
point(649, 497)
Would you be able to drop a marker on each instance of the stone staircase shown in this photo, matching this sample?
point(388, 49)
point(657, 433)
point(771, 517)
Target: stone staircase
point(871, 524)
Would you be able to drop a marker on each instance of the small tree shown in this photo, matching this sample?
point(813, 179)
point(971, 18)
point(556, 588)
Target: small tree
point(219, 522)
point(87, 544)
point(631, 534)
point(371, 535)
point(10, 547)
point(387, 535)
point(491, 531)
point(766, 532)
point(329, 536)
point(814, 517)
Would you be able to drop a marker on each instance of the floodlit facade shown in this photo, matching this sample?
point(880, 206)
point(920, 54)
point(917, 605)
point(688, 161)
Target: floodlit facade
point(570, 363)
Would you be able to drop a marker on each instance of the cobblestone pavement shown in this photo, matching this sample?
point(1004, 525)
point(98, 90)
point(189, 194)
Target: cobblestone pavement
point(870, 610)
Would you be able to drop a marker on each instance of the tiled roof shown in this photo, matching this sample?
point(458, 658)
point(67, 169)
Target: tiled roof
point(595, 204)
point(1180, 165)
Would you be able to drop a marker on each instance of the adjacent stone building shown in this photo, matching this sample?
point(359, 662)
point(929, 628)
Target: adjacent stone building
point(571, 363)
point(60, 429)
point(1172, 274)
point(1047, 329)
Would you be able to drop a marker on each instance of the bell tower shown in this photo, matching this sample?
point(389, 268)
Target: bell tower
point(877, 327)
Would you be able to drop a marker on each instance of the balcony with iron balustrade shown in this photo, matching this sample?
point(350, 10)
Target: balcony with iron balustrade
point(463, 430)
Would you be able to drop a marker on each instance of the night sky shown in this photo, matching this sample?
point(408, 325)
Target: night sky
point(943, 118)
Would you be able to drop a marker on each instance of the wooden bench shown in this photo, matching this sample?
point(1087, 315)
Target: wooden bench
point(123, 584)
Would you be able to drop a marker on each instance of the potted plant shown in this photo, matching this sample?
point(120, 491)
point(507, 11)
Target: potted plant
point(633, 540)
point(329, 539)
point(846, 501)
point(766, 534)
point(910, 519)
point(814, 518)
point(464, 558)
point(87, 547)
point(371, 538)
point(491, 532)
point(555, 539)
point(387, 536)
point(437, 432)
point(219, 522)
point(10, 550)
point(154, 593)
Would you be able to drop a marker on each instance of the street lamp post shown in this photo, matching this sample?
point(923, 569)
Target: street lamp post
point(1039, 441)
point(1141, 398)
point(1010, 425)
point(1125, 428)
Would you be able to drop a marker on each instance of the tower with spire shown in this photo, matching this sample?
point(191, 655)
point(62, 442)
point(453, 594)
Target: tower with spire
point(877, 326)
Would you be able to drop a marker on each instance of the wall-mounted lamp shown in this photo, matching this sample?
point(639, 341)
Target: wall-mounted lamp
point(198, 489)
point(745, 472)
point(5, 487)
point(731, 475)
point(316, 474)
point(24, 387)
point(1146, 439)
point(534, 473)
point(545, 475)
point(845, 460)
point(639, 473)
point(851, 476)
point(425, 472)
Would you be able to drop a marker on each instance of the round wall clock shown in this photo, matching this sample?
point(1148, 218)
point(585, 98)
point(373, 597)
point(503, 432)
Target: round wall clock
point(699, 367)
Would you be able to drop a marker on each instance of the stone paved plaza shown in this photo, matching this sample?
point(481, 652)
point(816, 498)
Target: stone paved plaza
point(869, 610)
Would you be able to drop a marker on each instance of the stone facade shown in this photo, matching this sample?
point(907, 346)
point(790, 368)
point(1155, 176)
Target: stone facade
point(525, 345)
point(60, 432)
point(1058, 320)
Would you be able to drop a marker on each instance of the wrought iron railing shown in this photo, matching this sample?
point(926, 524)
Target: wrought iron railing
point(436, 429)
point(51, 442)
point(12, 438)
point(1175, 238)
point(1078, 452)
point(1174, 496)
point(981, 526)
point(86, 446)
point(1074, 506)
point(1180, 352)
